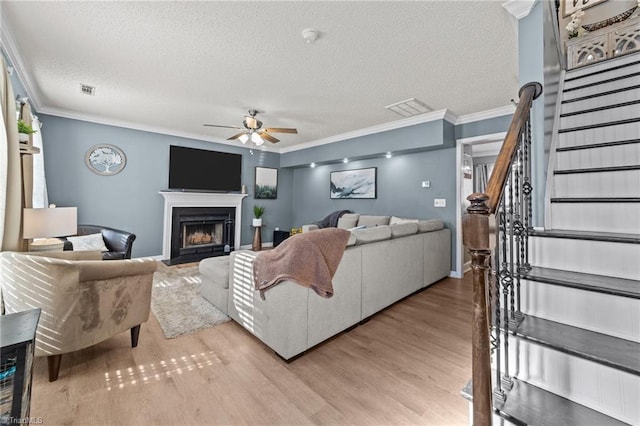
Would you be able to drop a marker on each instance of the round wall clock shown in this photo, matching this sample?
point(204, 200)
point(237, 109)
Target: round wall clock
point(105, 159)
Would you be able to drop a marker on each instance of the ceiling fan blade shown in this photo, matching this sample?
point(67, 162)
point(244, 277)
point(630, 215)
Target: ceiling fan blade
point(280, 130)
point(236, 136)
point(268, 137)
point(224, 127)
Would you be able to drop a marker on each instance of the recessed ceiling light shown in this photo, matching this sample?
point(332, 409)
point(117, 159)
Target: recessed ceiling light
point(346, 160)
point(313, 165)
point(388, 155)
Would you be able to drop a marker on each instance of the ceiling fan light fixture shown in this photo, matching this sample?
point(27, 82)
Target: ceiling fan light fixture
point(244, 138)
point(255, 138)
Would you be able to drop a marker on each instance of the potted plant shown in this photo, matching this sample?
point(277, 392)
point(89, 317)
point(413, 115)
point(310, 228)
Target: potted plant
point(24, 131)
point(258, 211)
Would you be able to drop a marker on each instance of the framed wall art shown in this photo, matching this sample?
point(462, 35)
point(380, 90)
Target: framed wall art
point(105, 160)
point(266, 183)
point(571, 6)
point(357, 183)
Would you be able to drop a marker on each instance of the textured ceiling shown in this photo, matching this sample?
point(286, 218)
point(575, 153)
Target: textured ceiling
point(172, 66)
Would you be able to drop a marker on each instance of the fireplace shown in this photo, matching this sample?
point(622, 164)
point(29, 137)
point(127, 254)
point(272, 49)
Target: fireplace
point(200, 232)
point(231, 205)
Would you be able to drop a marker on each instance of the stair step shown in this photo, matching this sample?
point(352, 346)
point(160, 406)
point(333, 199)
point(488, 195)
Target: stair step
point(598, 169)
point(599, 155)
point(601, 108)
point(597, 88)
point(600, 134)
point(614, 308)
point(596, 200)
point(619, 218)
point(600, 253)
point(597, 184)
point(615, 114)
point(602, 124)
point(617, 353)
point(591, 282)
point(530, 405)
point(622, 75)
point(599, 145)
point(610, 237)
point(607, 97)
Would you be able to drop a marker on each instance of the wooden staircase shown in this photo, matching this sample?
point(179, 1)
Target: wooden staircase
point(575, 355)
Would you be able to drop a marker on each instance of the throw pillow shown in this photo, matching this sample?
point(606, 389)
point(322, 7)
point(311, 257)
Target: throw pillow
point(88, 242)
point(348, 221)
point(370, 221)
point(394, 220)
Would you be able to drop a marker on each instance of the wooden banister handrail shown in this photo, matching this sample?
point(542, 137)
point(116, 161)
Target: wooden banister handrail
point(527, 93)
point(475, 231)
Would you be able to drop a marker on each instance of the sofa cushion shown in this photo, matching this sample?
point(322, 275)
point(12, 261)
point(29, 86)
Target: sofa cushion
point(430, 225)
point(348, 220)
point(371, 235)
point(91, 242)
point(352, 240)
point(371, 221)
point(403, 229)
point(216, 269)
point(394, 220)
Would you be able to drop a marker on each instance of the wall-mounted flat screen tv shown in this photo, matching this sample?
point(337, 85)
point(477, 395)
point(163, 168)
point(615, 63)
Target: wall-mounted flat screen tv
point(192, 169)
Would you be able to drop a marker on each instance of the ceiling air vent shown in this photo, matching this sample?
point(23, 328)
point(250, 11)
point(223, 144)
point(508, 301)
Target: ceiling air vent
point(409, 107)
point(87, 90)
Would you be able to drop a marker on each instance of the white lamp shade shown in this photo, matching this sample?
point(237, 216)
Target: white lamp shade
point(50, 222)
point(244, 138)
point(255, 138)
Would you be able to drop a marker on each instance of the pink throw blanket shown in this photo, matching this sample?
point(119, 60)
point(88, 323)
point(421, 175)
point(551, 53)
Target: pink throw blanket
point(310, 259)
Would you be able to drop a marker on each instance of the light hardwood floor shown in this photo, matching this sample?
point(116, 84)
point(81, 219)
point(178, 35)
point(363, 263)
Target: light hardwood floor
point(406, 365)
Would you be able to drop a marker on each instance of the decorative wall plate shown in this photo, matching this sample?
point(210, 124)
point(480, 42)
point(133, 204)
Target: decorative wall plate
point(105, 159)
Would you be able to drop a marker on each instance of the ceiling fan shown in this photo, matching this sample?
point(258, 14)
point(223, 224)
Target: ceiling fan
point(254, 130)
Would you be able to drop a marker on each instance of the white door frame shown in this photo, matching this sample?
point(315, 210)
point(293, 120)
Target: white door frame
point(494, 137)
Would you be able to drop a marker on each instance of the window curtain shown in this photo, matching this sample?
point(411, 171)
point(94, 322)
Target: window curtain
point(40, 196)
point(10, 169)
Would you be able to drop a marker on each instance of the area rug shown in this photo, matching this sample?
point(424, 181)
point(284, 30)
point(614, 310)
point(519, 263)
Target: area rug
point(177, 304)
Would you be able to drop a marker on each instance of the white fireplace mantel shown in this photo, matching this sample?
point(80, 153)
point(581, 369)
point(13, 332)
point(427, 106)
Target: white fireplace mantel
point(198, 199)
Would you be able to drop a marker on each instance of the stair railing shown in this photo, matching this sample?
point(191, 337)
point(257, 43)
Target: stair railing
point(496, 300)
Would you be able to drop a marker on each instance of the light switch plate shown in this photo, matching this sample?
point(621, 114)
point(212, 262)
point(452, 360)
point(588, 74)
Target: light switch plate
point(426, 183)
point(440, 202)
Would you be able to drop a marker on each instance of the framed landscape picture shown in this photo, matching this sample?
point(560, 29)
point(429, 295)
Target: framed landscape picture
point(266, 183)
point(358, 183)
point(571, 6)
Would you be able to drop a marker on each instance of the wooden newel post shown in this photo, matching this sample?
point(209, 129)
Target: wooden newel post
point(475, 234)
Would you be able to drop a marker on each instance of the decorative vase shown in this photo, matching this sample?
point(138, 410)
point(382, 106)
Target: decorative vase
point(23, 137)
point(257, 222)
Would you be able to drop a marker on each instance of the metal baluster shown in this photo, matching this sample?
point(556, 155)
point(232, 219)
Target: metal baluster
point(498, 393)
point(527, 189)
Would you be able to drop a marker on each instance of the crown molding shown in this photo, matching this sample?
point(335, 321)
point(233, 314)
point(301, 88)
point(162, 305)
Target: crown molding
point(486, 115)
point(405, 122)
point(9, 45)
point(153, 129)
point(519, 8)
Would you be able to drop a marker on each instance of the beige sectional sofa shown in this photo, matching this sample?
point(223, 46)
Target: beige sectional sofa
point(381, 265)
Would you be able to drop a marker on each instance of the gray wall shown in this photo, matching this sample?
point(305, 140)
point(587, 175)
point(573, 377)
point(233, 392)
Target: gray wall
point(399, 189)
point(130, 199)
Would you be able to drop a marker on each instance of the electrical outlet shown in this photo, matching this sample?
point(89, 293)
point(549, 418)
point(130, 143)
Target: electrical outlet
point(439, 202)
point(426, 183)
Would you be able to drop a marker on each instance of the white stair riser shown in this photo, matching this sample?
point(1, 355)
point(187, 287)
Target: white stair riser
point(599, 135)
point(622, 218)
point(612, 73)
point(606, 65)
point(600, 101)
point(619, 155)
point(601, 116)
point(607, 314)
point(622, 83)
point(611, 391)
point(591, 257)
point(621, 183)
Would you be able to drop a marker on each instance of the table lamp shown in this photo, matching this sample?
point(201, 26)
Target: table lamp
point(44, 225)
